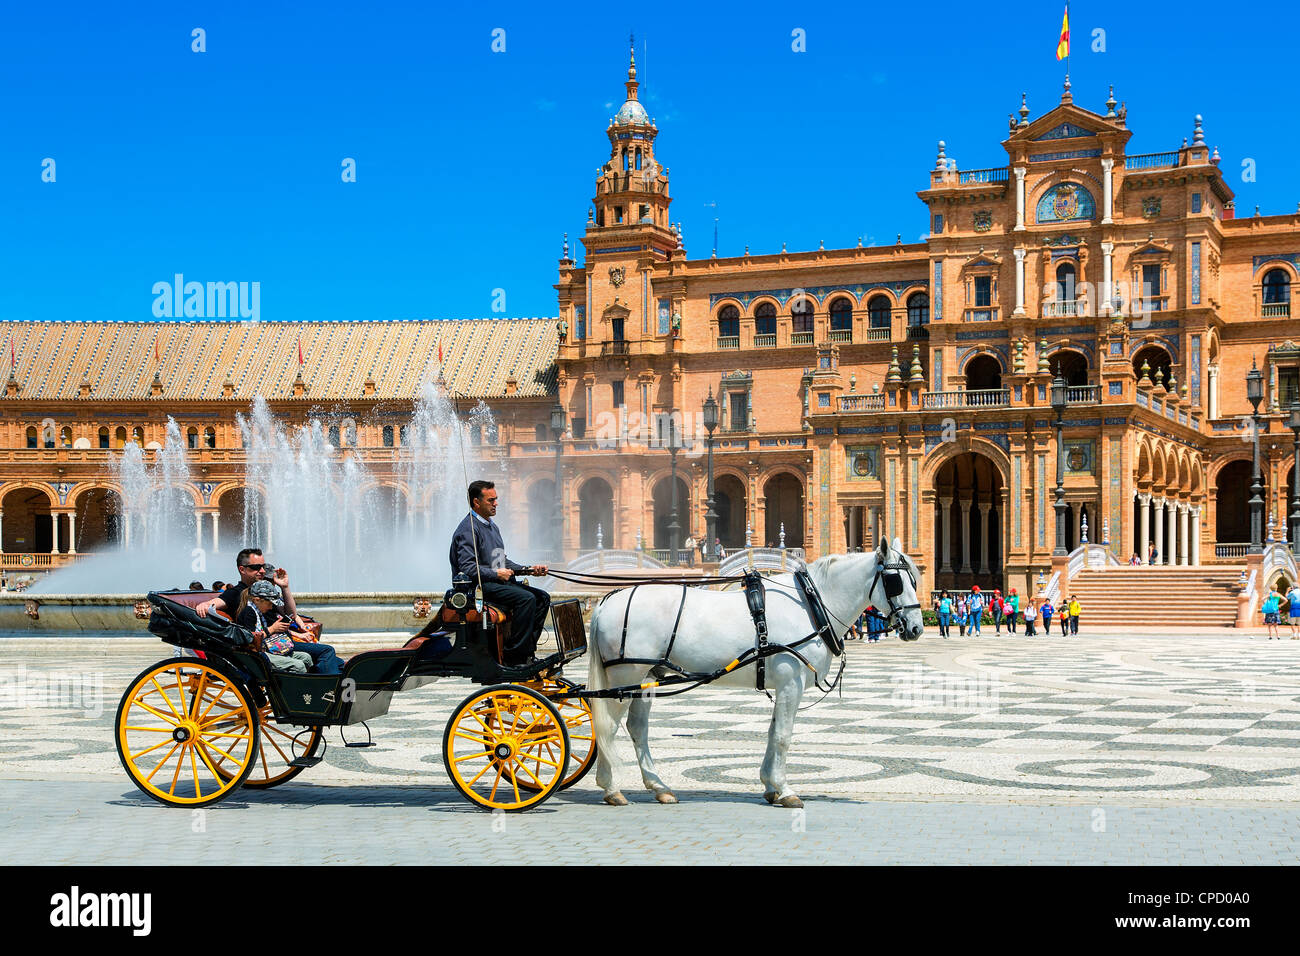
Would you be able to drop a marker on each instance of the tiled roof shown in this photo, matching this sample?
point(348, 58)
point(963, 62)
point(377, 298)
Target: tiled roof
point(117, 358)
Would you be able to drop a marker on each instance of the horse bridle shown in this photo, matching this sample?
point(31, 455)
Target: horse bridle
point(888, 573)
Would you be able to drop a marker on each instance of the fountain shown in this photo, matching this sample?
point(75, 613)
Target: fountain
point(365, 542)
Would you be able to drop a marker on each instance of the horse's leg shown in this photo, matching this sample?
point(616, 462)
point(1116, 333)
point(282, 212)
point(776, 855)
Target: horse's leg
point(787, 689)
point(609, 714)
point(638, 728)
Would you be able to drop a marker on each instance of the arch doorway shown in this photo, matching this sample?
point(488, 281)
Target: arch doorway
point(784, 506)
point(730, 507)
point(1232, 503)
point(663, 516)
point(28, 526)
point(968, 523)
point(1070, 365)
point(983, 373)
point(595, 510)
point(1156, 359)
point(99, 526)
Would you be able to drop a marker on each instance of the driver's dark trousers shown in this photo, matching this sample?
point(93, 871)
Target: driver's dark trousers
point(527, 607)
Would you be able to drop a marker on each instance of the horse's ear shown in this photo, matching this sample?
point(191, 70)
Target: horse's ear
point(898, 545)
point(882, 551)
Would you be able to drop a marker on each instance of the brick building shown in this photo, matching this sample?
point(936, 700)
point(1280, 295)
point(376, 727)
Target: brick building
point(901, 390)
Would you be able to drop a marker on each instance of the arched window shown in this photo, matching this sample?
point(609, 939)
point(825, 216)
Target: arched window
point(765, 319)
point(334, 435)
point(209, 437)
point(801, 315)
point(729, 321)
point(388, 436)
point(918, 309)
point(1065, 279)
point(540, 433)
point(1071, 366)
point(1277, 288)
point(638, 157)
point(401, 434)
point(103, 436)
point(191, 438)
point(33, 440)
point(137, 436)
point(65, 436)
point(120, 437)
point(878, 312)
point(841, 315)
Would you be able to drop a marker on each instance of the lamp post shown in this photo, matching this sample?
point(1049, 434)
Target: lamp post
point(1058, 406)
point(674, 445)
point(711, 516)
point(1255, 393)
point(1294, 422)
point(557, 429)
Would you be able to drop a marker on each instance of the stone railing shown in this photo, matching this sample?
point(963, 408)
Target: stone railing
point(1083, 394)
point(728, 341)
point(1276, 310)
point(613, 560)
point(878, 335)
point(1231, 550)
point(1056, 309)
point(762, 559)
point(996, 174)
point(801, 338)
point(862, 403)
point(1151, 160)
point(982, 398)
point(841, 335)
point(765, 340)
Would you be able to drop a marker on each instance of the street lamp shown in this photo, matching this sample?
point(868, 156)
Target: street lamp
point(1058, 405)
point(674, 446)
point(557, 429)
point(1294, 422)
point(1255, 393)
point(711, 516)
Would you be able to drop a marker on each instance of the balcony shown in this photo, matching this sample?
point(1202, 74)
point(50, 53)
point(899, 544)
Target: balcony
point(862, 403)
point(1150, 161)
point(918, 332)
point(1060, 308)
point(765, 340)
point(841, 335)
point(997, 174)
point(982, 398)
point(878, 335)
point(616, 347)
point(982, 314)
point(728, 341)
point(1276, 310)
point(801, 338)
point(1083, 395)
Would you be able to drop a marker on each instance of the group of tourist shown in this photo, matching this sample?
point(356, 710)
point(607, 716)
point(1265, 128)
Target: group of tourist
point(968, 611)
point(1275, 604)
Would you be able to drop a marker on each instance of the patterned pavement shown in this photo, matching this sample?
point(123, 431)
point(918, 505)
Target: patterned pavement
point(964, 729)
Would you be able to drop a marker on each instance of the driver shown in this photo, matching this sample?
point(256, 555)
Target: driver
point(527, 606)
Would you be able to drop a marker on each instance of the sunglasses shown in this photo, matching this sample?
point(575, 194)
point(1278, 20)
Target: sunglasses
point(255, 567)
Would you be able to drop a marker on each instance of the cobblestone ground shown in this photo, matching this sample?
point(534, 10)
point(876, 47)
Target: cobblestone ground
point(991, 750)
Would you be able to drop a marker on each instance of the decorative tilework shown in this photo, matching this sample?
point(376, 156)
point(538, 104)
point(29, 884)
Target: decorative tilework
point(1195, 376)
point(665, 316)
point(937, 370)
point(816, 292)
point(863, 462)
point(937, 304)
point(938, 224)
point(1016, 509)
point(1196, 273)
point(1121, 420)
point(1066, 202)
point(914, 497)
point(981, 336)
point(1064, 131)
point(825, 466)
point(1116, 474)
point(1115, 388)
point(892, 492)
point(1291, 257)
point(862, 429)
point(1042, 501)
point(1070, 154)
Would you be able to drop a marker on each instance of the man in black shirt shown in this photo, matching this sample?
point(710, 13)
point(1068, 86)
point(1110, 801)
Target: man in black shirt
point(252, 567)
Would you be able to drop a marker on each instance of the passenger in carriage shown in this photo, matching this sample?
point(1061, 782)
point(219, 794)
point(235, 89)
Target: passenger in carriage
point(265, 613)
point(479, 552)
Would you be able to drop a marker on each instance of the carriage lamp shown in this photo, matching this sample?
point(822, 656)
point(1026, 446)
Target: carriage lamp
point(1255, 394)
point(710, 515)
point(1293, 422)
point(1059, 396)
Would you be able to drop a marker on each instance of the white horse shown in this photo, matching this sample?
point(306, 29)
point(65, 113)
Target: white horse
point(715, 628)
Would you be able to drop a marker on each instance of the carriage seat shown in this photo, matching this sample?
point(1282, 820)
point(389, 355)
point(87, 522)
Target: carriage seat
point(497, 618)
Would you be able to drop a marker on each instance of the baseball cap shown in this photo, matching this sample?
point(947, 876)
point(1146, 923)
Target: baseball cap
point(267, 592)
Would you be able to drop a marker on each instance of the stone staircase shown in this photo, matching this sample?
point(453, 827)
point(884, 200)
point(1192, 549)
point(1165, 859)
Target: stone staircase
point(1144, 597)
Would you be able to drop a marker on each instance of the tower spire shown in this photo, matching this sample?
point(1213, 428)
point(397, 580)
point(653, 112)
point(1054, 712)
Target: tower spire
point(631, 67)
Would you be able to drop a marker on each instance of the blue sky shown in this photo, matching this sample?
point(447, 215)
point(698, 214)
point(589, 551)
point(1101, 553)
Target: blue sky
point(225, 165)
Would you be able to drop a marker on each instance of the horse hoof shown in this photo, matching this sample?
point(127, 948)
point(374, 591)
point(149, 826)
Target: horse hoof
point(790, 803)
point(665, 796)
point(770, 796)
point(616, 799)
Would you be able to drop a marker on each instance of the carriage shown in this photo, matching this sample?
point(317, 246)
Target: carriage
point(192, 730)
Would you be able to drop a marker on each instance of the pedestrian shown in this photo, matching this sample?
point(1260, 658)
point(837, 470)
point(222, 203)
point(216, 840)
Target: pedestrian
point(1047, 611)
point(1293, 609)
point(976, 605)
point(1031, 617)
point(1271, 604)
point(689, 547)
point(1013, 609)
point(1074, 607)
point(963, 612)
point(1063, 617)
point(718, 553)
point(945, 613)
point(1152, 554)
point(1135, 560)
point(997, 609)
point(876, 624)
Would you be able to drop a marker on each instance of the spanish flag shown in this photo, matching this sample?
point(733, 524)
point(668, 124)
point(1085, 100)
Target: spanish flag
point(1063, 44)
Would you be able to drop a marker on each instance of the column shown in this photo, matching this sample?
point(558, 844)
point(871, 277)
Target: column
point(1107, 248)
point(1107, 169)
point(72, 532)
point(982, 509)
point(1144, 526)
point(1182, 535)
point(1196, 535)
point(54, 524)
point(2, 514)
point(1171, 508)
point(1159, 507)
point(1020, 281)
point(1020, 198)
point(1076, 511)
point(945, 534)
point(1212, 376)
point(216, 547)
point(964, 505)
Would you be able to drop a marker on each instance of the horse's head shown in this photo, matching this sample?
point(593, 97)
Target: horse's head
point(893, 590)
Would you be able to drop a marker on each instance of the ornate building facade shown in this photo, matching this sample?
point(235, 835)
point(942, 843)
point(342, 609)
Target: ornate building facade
point(899, 390)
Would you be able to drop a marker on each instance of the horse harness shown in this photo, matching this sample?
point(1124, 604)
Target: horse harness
point(893, 581)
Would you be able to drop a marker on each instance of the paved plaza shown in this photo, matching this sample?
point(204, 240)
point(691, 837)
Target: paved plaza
point(1096, 749)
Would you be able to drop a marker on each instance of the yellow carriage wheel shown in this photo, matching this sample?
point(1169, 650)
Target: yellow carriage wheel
point(576, 714)
point(185, 732)
point(278, 746)
point(500, 736)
